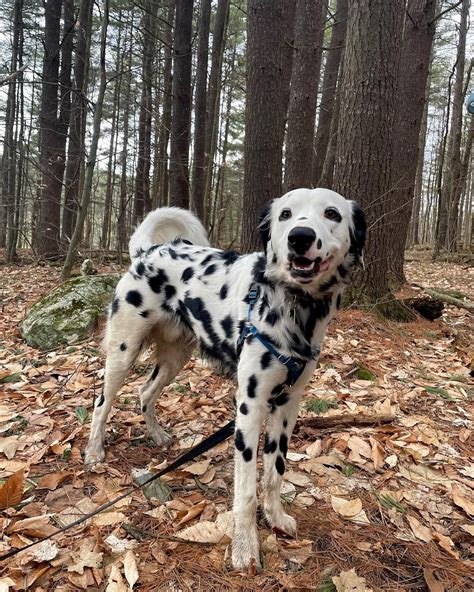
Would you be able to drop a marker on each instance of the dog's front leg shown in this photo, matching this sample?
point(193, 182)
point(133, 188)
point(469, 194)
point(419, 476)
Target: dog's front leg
point(278, 430)
point(251, 407)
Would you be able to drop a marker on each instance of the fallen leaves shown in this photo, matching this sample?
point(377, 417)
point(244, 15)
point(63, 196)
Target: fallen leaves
point(11, 491)
point(407, 477)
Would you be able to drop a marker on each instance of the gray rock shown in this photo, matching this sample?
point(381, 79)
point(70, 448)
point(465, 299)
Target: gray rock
point(69, 313)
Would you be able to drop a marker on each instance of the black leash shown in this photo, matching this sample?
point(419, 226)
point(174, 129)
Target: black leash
point(216, 438)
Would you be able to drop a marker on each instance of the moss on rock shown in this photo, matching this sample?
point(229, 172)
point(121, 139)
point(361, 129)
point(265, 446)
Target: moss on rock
point(69, 313)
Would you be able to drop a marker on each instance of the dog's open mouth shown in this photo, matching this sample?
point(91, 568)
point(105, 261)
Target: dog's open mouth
point(305, 268)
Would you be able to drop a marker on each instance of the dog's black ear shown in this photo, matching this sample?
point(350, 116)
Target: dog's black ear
point(264, 224)
point(358, 231)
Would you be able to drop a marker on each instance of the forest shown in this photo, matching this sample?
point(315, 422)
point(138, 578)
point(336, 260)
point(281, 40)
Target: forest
point(113, 108)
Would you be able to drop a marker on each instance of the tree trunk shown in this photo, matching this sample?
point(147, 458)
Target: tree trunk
point(50, 151)
point(414, 68)
point(309, 29)
point(268, 76)
point(328, 97)
point(75, 157)
point(415, 218)
point(87, 189)
point(142, 202)
point(9, 160)
point(444, 236)
point(200, 95)
point(364, 146)
point(181, 111)
point(212, 107)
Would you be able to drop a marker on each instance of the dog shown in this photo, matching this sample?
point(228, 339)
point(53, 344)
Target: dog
point(261, 316)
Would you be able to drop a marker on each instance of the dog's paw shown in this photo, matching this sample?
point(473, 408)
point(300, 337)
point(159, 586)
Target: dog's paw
point(245, 559)
point(94, 456)
point(245, 549)
point(282, 521)
point(159, 436)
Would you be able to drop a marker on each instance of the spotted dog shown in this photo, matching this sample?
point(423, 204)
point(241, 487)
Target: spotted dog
point(260, 316)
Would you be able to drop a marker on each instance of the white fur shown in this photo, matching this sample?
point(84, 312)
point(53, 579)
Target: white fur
point(166, 224)
point(176, 296)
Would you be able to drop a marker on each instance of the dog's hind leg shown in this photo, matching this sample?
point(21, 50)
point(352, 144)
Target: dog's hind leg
point(278, 430)
point(122, 349)
point(169, 359)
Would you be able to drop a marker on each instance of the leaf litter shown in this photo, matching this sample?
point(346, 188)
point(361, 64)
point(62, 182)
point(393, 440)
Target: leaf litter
point(380, 506)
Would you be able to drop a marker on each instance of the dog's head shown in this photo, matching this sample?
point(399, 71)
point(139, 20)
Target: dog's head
point(308, 233)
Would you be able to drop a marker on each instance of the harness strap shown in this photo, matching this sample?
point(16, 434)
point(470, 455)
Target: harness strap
point(295, 366)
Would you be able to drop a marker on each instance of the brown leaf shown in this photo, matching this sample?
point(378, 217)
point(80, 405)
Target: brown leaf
point(85, 556)
point(433, 584)
point(349, 581)
point(130, 568)
point(115, 582)
point(52, 480)
point(12, 490)
point(461, 501)
point(38, 526)
point(192, 512)
point(419, 530)
point(346, 508)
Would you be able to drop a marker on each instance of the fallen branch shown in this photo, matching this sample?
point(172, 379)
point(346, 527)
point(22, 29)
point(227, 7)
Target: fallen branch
point(355, 419)
point(450, 299)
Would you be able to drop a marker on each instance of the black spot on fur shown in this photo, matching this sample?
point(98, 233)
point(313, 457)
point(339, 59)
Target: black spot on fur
point(239, 441)
point(114, 307)
point(207, 259)
point(229, 257)
point(266, 360)
point(170, 291)
point(269, 446)
point(154, 374)
point(278, 389)
point(172, 253)
point(228, 326)
point(285, 423)
point(252, 386)
point(284, 444)
point(319, 244)
point(187, 274)
point(186, 241)
point(134, 298)
point(328, 284)
point(144, 409)
point(210, 270)
point(281, 399)
point(338, 301)
point(140, 268)
point(101, 400)
point(244, 409)
point(280, 465)
point(272, 317)
point(223, 292)
point(156, 282)
point(145, 313)
point(247, 454)
point(258, 271)
point(342, 270)
point(123, 346)
point(274, 259)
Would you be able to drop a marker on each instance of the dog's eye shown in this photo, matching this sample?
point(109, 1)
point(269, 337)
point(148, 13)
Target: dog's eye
point(332, 214)
point(285, 214)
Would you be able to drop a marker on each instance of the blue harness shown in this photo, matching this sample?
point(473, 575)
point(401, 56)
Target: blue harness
point(295, 366)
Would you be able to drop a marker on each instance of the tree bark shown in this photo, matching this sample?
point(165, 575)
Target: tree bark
point(9, 160)
point(212, 107)
point(142, 201)
point(200, 96)
point(444, 236)
point(92, 156)
point(414, 69)
point(268, 75)
point(309, 29)
point(75, 157)
point(364, 145)
point(181, 111)
point(328, 97)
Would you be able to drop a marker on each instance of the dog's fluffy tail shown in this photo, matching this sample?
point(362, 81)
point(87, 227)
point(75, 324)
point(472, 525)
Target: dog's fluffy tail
point(165, 224)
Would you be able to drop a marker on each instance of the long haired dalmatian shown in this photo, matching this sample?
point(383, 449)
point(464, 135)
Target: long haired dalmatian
point(262, 316)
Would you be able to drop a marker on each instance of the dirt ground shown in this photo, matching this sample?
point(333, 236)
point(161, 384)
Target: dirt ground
point(384, 497)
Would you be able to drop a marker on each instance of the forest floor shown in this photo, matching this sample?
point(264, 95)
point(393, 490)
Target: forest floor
point(380, 506)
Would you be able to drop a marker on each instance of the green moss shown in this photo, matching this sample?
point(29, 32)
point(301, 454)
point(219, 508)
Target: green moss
point(364, 374)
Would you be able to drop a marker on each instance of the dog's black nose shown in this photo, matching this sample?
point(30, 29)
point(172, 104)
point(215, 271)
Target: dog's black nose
point(300, 239)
